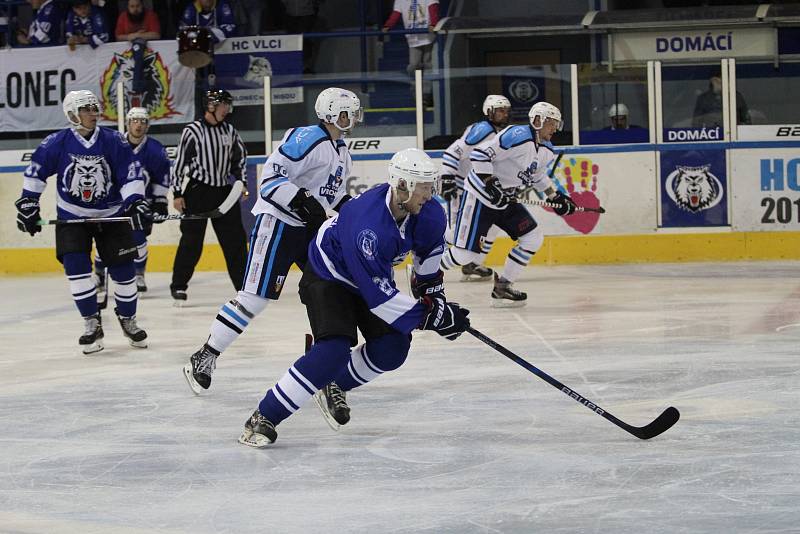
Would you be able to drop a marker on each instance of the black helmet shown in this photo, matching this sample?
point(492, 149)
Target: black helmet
point(219, 96)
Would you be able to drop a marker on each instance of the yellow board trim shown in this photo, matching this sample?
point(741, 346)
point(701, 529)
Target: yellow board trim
point(561, 250)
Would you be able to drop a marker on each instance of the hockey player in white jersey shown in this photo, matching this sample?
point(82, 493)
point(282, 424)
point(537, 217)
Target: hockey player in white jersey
point(349, 285)
point(456, 166)
point(515, 158)
point(300, 182)
point(97, 177)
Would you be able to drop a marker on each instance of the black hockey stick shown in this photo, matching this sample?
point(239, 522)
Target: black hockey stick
point(44, 222)
point(660, 424)
point(547, 204)
point(233, 197)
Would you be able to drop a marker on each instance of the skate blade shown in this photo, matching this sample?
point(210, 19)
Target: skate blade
point(319, 399)
point(187, 374)
point(475, 278)
point(97, 346)
point(138, 344)
point(254, 440)
point(503, 303)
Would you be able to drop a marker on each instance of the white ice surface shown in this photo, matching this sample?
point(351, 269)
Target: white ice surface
point(459, 439)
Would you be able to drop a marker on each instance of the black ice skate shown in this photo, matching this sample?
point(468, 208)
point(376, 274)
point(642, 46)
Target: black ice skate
point(200, 368)
point(136, 336)
point(141, 286)
point(258, 431)
point(92, 338)
point(504, 296)
point(178, 297)
point(472, 272)
point(332, 403)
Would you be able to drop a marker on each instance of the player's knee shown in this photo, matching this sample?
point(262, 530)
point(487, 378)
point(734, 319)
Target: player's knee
point(122, 272)
point(253, 304)
point(389, 351)
point(463, 256)
point(532, 241)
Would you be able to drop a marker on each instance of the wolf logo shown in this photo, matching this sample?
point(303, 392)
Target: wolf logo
point(694, 189)
point(259, 67)
point(88, 178)
point(152, 95)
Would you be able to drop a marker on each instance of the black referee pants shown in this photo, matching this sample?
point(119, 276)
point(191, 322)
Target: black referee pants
point(229, 229)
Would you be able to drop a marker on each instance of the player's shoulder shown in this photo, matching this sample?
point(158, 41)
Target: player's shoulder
point(113, 136)
point(515, 135)
point(432, 217)
point(56, 138)
point(155, 145)
point(547, 148)
point(478, 132)
point(302, 141)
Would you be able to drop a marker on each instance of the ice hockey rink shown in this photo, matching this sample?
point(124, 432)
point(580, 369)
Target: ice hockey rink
point(460, 439)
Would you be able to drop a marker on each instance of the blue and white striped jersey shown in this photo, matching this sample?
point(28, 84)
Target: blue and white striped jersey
point(307, 158)
point(455, 160)
point(360, 246)
point(96, 177)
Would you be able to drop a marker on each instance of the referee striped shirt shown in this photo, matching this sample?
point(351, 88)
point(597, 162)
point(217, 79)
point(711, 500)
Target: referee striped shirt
point(210, 154)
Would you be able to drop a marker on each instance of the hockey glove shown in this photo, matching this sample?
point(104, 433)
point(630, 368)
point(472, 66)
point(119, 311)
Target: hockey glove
point(447, 319)
point(497, 194)
point(141, 215)
point(308, 209)
point(346, 198)
point(429, 287)
point(565, 204)
point(160, 207)
point(28, 215)
point(449, 188)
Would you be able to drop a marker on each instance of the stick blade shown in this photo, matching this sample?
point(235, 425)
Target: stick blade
point(660, 424)
point(232, 198)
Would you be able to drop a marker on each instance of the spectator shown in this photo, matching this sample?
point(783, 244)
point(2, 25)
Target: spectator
point(46, 26)
point(216, 15)
point(417, 14)
point(300, 16)
point(85, 25)
point(708, 107)
point(137, 23)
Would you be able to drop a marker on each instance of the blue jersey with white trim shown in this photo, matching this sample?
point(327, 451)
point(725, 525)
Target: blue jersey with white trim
point(307, 158)
point(515, 158)
point(455, 160)
point(360, 246)
point(92, 27)
point(96, 177)
point(156, 167)
point(46, 27)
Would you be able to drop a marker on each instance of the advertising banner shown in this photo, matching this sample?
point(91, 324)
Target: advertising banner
point(768, 132)
point(242, 62)
point(694, 44)
point(693, 188)
point(34, 81)
point(766, 189)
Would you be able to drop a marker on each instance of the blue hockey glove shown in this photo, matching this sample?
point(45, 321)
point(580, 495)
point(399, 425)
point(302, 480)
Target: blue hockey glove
point(28, 215)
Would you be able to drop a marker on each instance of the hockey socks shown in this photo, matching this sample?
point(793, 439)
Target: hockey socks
point(78, 268)
point(233, 318)
point(373, 358)
point(125, 293)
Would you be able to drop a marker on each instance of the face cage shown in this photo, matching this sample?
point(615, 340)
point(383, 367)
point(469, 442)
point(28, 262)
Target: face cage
point(411, 185)
point(353, 119)
point(559, 125)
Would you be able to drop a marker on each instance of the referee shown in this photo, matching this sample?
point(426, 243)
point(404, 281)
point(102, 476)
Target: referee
point(211, 155)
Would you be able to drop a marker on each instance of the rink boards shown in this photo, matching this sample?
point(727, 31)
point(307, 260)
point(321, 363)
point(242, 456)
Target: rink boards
point(668, 202)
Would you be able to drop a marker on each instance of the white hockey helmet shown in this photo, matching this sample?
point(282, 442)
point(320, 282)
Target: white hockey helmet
point(545, 110)
point(333, 101)
point(76, 100)
point(618, 110)
point(493, 102)
point(137, 113)
point(413, 166)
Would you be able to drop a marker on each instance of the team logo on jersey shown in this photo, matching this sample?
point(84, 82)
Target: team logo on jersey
point(694, 189)
point(368, 243)
point(526, 176)
point(259, 67)
point(330, 189)
point(384, 285)
point(279, 283)
point(88, 178)
point(157, 80)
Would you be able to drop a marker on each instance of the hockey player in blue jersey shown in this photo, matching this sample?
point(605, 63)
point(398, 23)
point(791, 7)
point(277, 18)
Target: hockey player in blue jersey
point(349, 284)
point(301, 181)
point(155, 166)
point(516, 157)
point(97, 177)
point(456, 166)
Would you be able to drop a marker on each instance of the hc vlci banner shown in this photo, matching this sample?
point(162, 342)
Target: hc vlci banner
point(693, 188)
point(33, 82)
point(242, 62)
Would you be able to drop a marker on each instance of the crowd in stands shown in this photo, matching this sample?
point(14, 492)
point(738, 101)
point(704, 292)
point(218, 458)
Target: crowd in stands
point(94, 22)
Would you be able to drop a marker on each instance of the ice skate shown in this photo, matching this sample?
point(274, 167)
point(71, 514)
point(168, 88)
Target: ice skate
point(200, 368)
point(141, 286)
point(332, 403)
point(92, 339)
point(136, 336)
point(258, 431)
point(178, 297)
point(504, 296)
point(472, 272)
point(101, 283)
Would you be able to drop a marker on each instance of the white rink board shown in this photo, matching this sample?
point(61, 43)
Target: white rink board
point(766, 189)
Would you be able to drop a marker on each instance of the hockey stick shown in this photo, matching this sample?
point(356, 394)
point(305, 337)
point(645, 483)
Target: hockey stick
point(45, 222)
point(232, 198)
point(660, 424)
point(547, 204)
